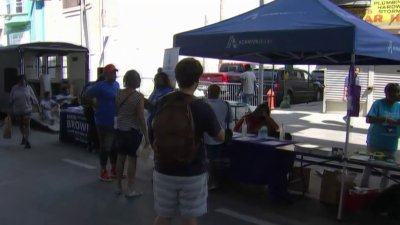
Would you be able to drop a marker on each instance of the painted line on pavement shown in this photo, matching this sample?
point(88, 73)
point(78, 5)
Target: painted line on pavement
point(243, 217)
point(80, 164)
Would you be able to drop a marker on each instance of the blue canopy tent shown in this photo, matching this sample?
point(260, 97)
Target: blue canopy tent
point(295, 32)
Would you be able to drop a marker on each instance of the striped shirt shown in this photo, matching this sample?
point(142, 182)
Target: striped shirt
point(127, 103)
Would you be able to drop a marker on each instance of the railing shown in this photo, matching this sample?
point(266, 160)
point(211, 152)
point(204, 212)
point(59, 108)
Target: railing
point(229, 91)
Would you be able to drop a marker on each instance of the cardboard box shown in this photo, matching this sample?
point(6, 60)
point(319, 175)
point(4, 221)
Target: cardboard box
point(299, 179)
point(330, 186)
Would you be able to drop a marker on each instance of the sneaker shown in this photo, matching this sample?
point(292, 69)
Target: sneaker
point(104, 176)
point(113, 172)
point(23, 141)
point(27, 145)
point(132, 194)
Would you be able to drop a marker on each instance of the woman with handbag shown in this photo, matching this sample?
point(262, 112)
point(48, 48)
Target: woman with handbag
point(130, 128)
point(22, 99)
point(223, 112)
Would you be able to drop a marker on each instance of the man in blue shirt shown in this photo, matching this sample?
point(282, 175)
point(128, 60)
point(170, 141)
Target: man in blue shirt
point(105, 92)
point(383, 132)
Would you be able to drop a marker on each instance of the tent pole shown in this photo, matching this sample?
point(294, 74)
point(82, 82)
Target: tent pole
point(260, 84)
point(344, 156)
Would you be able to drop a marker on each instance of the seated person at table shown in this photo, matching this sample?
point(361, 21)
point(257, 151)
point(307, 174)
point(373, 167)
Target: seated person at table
point(383, 133)
point(64, 98)
point(261, 116)
point(50, 108)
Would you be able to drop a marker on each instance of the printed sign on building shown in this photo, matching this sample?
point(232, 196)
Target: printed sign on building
point(382, 13)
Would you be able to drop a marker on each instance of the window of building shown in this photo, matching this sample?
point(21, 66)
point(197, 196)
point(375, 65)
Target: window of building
point(18, 6)
point(8, 6)
point(64, 67)
point(41, 66)
point(52, 65)
point(71, 3)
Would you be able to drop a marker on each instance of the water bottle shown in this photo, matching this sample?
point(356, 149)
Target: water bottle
point(244, 128)
point(263, 132)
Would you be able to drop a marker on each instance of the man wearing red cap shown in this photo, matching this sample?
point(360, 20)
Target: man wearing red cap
point(105, 92)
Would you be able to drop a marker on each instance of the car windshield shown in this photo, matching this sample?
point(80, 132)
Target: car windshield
point(317, 74)
point(231, 68)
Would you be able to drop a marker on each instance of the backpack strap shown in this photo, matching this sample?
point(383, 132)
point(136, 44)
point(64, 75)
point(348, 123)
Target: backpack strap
point(228, 115)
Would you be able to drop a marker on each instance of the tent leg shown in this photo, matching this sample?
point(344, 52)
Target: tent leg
point(344, 156)
point(344, 168)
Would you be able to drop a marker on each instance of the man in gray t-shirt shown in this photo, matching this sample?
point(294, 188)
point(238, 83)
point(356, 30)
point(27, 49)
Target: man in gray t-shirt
point(248, 83)
point(347, 83)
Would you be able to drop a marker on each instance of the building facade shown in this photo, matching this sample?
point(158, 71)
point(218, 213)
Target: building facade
point(384, 14)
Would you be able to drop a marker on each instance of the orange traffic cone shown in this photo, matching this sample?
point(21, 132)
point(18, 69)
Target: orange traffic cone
point(271, 99)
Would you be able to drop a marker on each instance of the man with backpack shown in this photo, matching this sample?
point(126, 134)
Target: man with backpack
point(180, 121)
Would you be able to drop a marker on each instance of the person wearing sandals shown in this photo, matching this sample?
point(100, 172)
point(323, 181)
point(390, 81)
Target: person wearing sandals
point(22, 98)
point(130, 128)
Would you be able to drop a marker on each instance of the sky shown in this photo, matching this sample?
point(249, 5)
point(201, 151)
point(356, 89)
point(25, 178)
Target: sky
point(146, 29)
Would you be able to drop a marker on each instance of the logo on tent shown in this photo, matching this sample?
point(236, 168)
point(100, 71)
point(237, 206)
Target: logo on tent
point(393, 48)
point(251, 16)
point(236, 43)
point(232, 43)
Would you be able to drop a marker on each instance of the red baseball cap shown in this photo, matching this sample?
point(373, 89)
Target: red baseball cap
point(110, 68)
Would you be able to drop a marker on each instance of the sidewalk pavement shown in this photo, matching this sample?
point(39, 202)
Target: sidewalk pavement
point(308, 124)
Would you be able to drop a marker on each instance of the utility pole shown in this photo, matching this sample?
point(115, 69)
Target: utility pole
point(205, 24)
point(221, 17)
point(261, 77)
point(84, 23)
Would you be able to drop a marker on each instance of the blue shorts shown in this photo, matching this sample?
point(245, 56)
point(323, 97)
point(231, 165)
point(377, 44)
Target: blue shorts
point(180, 196)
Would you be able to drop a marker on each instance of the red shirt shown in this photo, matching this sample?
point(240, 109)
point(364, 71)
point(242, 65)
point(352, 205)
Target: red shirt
point(254, 123)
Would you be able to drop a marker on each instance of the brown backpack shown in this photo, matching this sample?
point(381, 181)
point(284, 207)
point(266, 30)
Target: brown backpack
point(173, 129)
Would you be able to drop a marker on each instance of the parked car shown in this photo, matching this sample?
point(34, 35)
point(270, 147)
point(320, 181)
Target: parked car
point(298, 86)
point(227, 77)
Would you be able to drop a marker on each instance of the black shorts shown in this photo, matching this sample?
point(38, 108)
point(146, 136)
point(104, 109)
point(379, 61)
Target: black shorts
point(127, 142)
